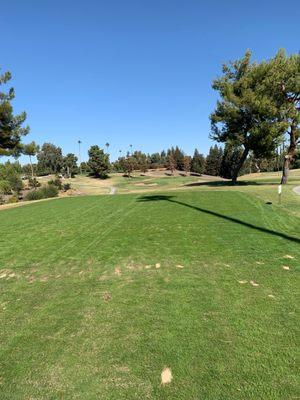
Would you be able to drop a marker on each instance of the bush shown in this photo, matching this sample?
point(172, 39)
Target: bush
point(13, 199)
point(11, 173)
point(44, 192)
point(49, 191)
point(66, 186)
point(5, 187)
point(33, 183)
point(34, 195)
point(56, 182)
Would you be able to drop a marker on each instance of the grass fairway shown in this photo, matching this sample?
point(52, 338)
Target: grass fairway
point(85, 313)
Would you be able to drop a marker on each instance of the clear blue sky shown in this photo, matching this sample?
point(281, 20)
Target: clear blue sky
point(132, 71)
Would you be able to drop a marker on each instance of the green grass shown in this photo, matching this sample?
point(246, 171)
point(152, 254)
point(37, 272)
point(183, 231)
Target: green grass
point(83, 318)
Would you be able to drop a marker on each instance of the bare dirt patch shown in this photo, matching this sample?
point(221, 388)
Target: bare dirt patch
point(166, 376)
point(106, 296)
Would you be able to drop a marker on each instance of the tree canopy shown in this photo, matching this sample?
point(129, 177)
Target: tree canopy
point(50, 159)
point(98, 162)
point(11, 130)
point(246, 115)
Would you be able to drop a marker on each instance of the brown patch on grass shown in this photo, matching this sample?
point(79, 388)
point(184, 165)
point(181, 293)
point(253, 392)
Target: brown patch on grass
point(179, 266)
point(123, 368)
point(147, 266)
point(166, 376)
point(271, 296)
point(4, 273)
point(289, 257)
point(103, 277)
point(286, 267)
point(44, 279)
point(31, 279)
point(259, 263)
point(253, 283)
point(106, 296)
point(118, 271)
point(242, 282)
point(157, 265)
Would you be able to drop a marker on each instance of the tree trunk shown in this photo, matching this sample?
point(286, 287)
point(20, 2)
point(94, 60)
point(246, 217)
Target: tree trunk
point(288, 158)
point(236, 171)
point(32, 175)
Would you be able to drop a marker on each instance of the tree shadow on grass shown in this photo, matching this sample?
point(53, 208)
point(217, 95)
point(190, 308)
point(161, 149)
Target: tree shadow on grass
point(229, 183)
point(172, 199)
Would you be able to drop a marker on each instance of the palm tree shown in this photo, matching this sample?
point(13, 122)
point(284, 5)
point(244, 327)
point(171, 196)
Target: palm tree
point(79, 156)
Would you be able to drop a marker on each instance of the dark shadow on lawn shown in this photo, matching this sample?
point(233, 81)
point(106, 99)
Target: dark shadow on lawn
point(229, 183)
point(171, 199)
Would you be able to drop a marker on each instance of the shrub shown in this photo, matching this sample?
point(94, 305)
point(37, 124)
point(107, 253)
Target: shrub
point(13, 199)
point(44, 192)
point(33, 183)
point(66, 186)
point(34, 195)
point(11, 173)
point(49, 191)
point(56, 182)
point(5, 187)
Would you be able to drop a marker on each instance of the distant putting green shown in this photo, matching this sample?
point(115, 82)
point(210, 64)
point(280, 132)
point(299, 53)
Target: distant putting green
point(100, 294)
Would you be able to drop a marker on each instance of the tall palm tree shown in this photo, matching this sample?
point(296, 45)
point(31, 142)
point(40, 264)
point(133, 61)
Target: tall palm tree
point(79, 156)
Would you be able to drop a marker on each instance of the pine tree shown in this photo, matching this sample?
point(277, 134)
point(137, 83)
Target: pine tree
point(171, 162)
point(98, 162)
point(231, 158)
point(11, 130)
point(186, 164)
point(213, 161)
point(247, 115)
point(198, 163)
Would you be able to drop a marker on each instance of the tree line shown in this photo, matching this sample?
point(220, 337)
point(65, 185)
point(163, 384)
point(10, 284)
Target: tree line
point(258, 108)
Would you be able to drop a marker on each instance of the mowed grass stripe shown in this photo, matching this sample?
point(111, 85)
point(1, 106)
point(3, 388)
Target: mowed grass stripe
point(69, 216)
point(221, 338)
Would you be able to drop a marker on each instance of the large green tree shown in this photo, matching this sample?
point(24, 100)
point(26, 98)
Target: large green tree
point(98, 162)
point(231, 157)
point(50, 159)
point(282, 84)
point(213, 161)
point(198, 162)
point(11, 130)
point(70, 164)
point(246, 115)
